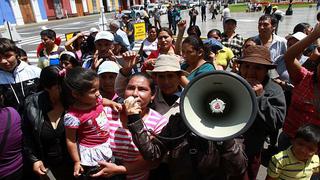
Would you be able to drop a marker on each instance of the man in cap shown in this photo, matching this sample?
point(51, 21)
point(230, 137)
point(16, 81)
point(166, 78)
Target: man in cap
point(119, 35)
point(230, 38)
point(104, 45)
point(108, 72)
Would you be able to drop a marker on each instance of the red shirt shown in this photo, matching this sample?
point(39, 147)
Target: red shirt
point(146, 65)
point(301, 110)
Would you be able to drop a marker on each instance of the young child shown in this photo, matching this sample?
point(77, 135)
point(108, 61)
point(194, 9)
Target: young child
point(87, 128)
point(68, 60)
point(300, 160)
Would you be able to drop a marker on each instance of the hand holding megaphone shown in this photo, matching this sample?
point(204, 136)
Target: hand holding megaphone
point(256, 86)
point(132, 106)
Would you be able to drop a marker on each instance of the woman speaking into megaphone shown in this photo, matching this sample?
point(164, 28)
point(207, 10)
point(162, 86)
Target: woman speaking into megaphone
point(254, 66)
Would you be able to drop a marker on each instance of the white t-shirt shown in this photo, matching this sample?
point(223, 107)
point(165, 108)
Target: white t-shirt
point(149, 46)
point(226, 13)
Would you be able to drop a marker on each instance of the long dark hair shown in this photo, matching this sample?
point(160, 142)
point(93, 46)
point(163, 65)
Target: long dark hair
point(49, 77)
point(195, 42)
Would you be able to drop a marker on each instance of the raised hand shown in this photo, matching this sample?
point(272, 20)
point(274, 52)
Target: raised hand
point(182, 25)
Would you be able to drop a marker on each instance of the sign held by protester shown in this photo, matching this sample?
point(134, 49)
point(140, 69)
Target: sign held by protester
point(139, 31)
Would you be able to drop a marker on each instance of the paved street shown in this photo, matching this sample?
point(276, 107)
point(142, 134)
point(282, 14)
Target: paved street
point(247, 26)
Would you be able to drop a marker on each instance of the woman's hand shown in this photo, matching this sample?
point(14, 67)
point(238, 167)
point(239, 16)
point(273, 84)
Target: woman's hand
point(77, 169)
point(39, 168)
point(182, 25)
point(132, 106)
point(109, 169)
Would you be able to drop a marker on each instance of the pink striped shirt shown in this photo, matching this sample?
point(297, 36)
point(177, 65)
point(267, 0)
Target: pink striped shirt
point(121, 142)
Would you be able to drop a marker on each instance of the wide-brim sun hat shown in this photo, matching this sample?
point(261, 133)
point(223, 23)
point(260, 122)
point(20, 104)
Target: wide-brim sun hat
point(257, 54)
point(167, 63)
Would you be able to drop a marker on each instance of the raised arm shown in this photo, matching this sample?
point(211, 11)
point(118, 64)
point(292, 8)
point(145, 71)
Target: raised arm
point(68, 44)
point(292, 64)
point(182, 25)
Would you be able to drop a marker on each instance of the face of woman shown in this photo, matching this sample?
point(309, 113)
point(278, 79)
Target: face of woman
point(190, 54)
point(152, 33)
point(164, 40)
point(66, 65)
point(253, 72)
point(54, 91)
point(168, 82)
point(139, 87)
point(8, 61)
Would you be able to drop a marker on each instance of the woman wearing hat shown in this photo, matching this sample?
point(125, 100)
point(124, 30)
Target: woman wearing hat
point(254, 66)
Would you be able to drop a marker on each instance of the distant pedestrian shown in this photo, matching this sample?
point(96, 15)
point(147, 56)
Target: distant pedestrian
point(203, 11)
point(170, 17)
point(267, 9)
point(225, 13)
point(213, 10)
point(157, 20)
point(176, 17)
point(145, 17)
point(193, 13)
point(278, 14)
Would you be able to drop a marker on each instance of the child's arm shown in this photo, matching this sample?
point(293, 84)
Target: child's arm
point(111, 169)
point(114, 105)
point(73, 150)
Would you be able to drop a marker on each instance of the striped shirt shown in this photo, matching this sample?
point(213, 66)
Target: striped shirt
point(121, 142)
point(285, 166)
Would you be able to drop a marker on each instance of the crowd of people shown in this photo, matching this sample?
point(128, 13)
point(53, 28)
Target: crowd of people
point(95, 109)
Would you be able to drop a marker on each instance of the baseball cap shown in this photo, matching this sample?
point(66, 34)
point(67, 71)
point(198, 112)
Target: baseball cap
point(93, 30)
point(108, 66)
point(106, 35)
point(230, 19)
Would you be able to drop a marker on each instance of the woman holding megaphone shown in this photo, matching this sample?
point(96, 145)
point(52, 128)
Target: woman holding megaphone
point(254, 66)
